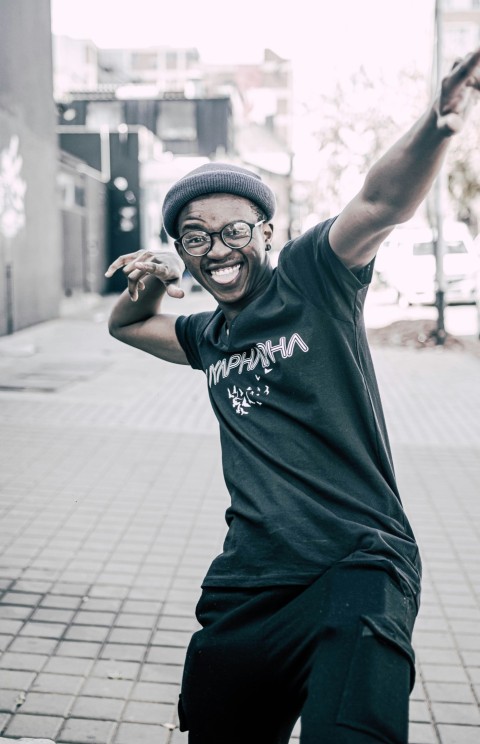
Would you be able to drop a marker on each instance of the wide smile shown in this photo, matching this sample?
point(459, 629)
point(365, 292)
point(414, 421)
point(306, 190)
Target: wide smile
point(225, 274)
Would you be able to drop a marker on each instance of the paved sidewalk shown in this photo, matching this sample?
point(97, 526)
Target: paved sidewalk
point(111, 509)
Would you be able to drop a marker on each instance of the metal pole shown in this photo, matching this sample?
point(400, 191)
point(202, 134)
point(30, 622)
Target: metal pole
point(9, 304)
point(9, 298)
point(439, 245)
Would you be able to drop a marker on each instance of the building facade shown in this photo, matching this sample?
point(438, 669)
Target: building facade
point(241, 113)
point(184, 126)
point(30, 249)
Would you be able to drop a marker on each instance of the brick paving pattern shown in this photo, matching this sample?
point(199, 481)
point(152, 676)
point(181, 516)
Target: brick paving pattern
point(111, 508)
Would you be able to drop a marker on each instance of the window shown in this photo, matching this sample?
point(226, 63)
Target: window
point(90, 58)
point(79, 195)
point(192, 58)
point(144, 61)
point(104, 113)
point(177, 120)
point(171, 60)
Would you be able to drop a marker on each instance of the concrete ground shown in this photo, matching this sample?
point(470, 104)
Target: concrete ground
point(111, 509)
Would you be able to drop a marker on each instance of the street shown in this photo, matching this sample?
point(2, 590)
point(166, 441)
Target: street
point(112, 502)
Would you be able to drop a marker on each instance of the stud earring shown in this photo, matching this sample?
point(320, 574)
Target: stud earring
point(268, 247)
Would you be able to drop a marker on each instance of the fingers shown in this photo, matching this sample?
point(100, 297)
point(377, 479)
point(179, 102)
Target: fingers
point(457, 61)
point(466, 70)
point(136, 266)
point(151, 267)
point(127, 262)
point(164, 273)
point(173, 290)
point(135, 283)
point(474, 60)
point(139, 269)
point(456, 93)
point(450, 123)
point(120, 262)
point(159, 269)
point(473, 81)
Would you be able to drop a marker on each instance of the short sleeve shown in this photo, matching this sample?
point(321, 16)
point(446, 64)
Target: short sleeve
point(309, 264)
point(189, 330)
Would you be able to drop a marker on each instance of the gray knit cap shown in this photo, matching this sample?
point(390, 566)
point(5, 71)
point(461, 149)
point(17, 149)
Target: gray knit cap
point(216, 178)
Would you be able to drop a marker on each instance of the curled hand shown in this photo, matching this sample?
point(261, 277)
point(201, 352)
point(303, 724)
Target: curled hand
point(456, 93)
point(164, 265)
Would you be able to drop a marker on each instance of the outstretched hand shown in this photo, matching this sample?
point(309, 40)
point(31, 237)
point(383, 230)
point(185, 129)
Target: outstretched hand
point(457, 89)
point(164, 265)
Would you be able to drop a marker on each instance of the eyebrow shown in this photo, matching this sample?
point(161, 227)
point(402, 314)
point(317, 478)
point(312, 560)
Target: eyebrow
point(191, 223)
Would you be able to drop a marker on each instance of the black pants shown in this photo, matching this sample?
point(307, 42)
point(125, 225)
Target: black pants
point(336, 653)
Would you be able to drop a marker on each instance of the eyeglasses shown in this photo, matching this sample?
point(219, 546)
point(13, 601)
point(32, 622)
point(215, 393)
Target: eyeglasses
point(236, 235)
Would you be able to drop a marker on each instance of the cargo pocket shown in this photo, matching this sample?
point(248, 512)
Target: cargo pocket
point(380, 677)
point(182, 719)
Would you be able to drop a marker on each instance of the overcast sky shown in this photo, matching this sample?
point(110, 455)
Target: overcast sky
point(324, 39)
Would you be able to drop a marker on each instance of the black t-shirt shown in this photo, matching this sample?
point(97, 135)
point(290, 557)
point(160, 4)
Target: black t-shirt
point(306, 457)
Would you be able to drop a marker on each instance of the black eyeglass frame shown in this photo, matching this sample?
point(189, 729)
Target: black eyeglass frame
point(220, 233)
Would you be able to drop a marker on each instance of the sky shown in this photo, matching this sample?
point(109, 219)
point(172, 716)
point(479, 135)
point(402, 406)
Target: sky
point(324, 39)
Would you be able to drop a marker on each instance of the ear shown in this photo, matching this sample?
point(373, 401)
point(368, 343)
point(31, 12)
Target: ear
point(267, 231)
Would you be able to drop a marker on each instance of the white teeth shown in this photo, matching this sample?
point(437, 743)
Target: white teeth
point(225, 274)
point(226, 270)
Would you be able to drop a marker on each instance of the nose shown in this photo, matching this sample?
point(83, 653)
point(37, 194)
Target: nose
point(218, 250)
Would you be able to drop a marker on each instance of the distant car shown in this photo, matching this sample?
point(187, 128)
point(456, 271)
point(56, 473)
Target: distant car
point(407, 264)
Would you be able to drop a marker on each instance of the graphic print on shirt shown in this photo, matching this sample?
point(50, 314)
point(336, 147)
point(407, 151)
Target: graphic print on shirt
point(242, 400)
point(265, 353)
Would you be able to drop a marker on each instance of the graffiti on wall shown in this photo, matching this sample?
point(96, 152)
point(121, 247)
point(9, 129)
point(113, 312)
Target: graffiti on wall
point(12, 190)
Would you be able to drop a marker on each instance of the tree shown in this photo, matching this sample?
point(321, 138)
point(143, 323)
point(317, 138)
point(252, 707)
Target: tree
point(463, 173)
point(362, 116)
point(355, 124)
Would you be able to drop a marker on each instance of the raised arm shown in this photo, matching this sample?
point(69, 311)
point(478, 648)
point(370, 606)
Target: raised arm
point(397, 184)
point(136, 319)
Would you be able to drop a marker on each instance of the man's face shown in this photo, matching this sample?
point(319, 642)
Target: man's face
point(233, 277)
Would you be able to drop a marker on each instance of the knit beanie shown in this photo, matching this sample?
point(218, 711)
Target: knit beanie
point(216, 178)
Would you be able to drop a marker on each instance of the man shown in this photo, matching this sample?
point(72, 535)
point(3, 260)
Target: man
point(310, 607)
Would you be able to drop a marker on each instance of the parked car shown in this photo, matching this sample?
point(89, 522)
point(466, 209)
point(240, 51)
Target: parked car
point(406, 262)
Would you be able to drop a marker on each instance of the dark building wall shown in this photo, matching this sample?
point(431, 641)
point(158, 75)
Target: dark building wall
point(123, 201)
point(214, 126)
point(84, 145)
point(125, 206)
point(210, 121)
point(30, 251)
point(141, 112)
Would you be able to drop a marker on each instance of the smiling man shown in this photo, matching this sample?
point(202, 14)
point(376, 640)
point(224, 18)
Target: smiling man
point(309, 609)
point(237, 270)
